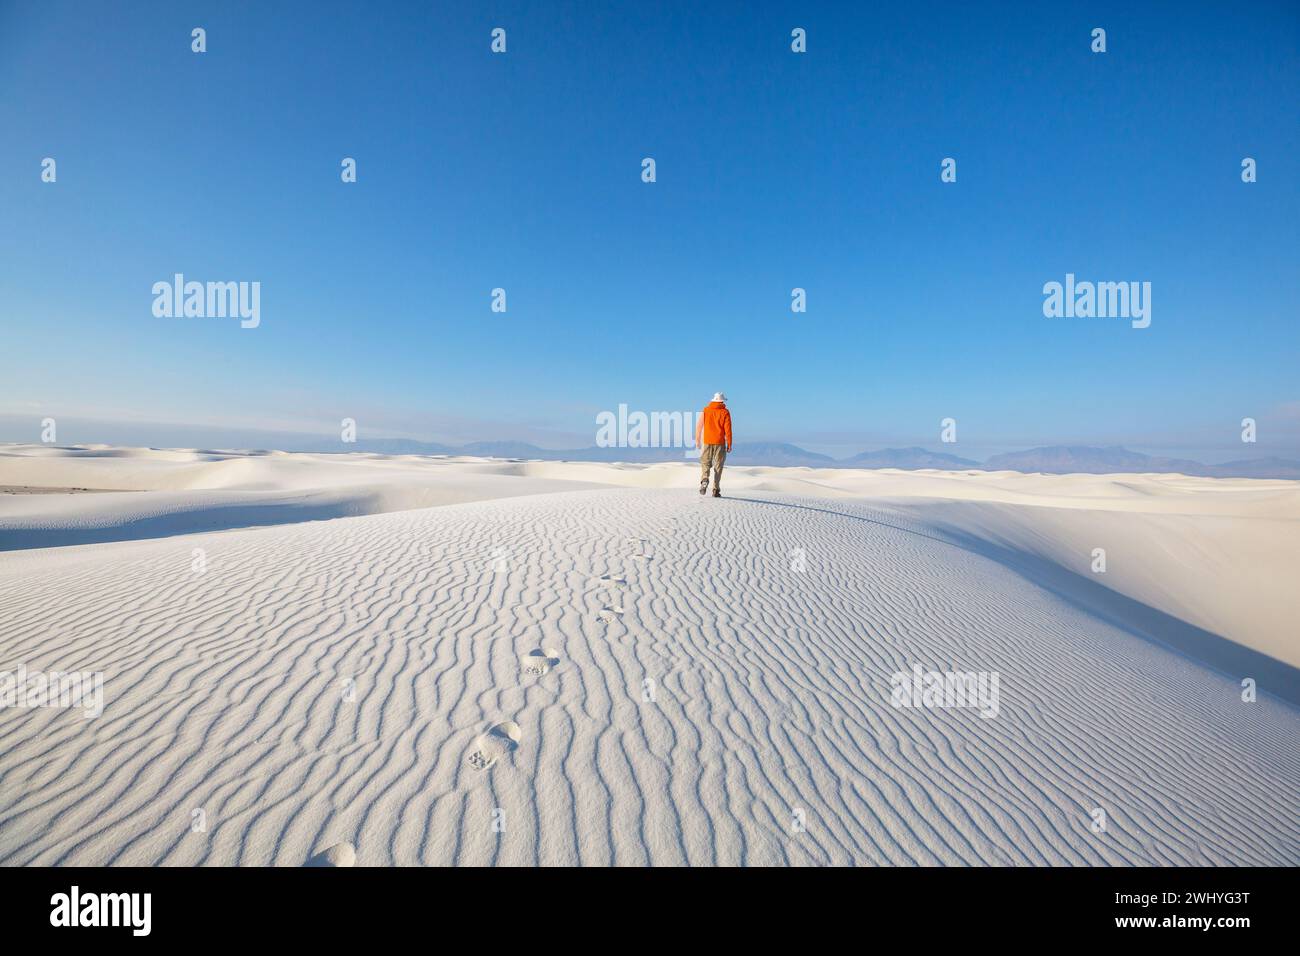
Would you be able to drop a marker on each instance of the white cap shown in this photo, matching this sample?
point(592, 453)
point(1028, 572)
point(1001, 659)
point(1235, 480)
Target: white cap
point(719, 397)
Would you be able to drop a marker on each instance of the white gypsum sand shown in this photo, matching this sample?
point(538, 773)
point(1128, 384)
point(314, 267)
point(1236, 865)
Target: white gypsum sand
point(552, 662)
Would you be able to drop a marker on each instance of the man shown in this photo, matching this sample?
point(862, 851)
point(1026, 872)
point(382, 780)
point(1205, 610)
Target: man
point(713, 431)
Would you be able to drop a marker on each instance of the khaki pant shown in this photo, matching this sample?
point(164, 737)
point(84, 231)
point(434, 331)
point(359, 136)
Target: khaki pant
point(712, 456)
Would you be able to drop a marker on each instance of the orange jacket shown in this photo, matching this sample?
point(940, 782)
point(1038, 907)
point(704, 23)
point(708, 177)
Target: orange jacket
point(714, 425)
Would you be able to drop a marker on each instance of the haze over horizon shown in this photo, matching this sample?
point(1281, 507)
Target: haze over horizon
point(79, 431)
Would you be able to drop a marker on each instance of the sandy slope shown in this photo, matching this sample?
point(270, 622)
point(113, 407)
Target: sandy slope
point(1222, 555)
point(340, 680)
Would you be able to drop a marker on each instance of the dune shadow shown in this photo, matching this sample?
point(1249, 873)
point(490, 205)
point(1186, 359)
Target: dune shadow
point(1132, 616)
point(221, 517)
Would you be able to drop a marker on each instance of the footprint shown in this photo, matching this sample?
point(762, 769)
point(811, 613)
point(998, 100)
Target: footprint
point(537, 663)
point(500, 740)
point(340, 854)
point(613, 580)
point(610, 613)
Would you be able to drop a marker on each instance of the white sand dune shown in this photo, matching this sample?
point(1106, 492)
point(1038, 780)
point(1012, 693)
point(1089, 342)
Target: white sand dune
point(193, 491)
point(623, 672)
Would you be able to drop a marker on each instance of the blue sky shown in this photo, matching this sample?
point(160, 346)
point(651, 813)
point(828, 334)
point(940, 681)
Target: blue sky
point(775, 170)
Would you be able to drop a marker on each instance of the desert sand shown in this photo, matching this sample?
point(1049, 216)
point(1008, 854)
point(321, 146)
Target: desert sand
point(412, 660)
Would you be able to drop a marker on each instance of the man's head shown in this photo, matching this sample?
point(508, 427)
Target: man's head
point(719, 397)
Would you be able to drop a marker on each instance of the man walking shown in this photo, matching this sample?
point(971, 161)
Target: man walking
point(713, 431)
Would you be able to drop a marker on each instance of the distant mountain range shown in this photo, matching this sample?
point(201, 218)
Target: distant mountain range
point(1066, 459)
point(1055, 459)
point(909, 458)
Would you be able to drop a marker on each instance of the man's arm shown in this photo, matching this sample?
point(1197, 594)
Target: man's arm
point(727, 421)
point(699, 428)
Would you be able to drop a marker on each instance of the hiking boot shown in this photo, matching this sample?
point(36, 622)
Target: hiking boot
point(716, 493)
point(703, 488)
